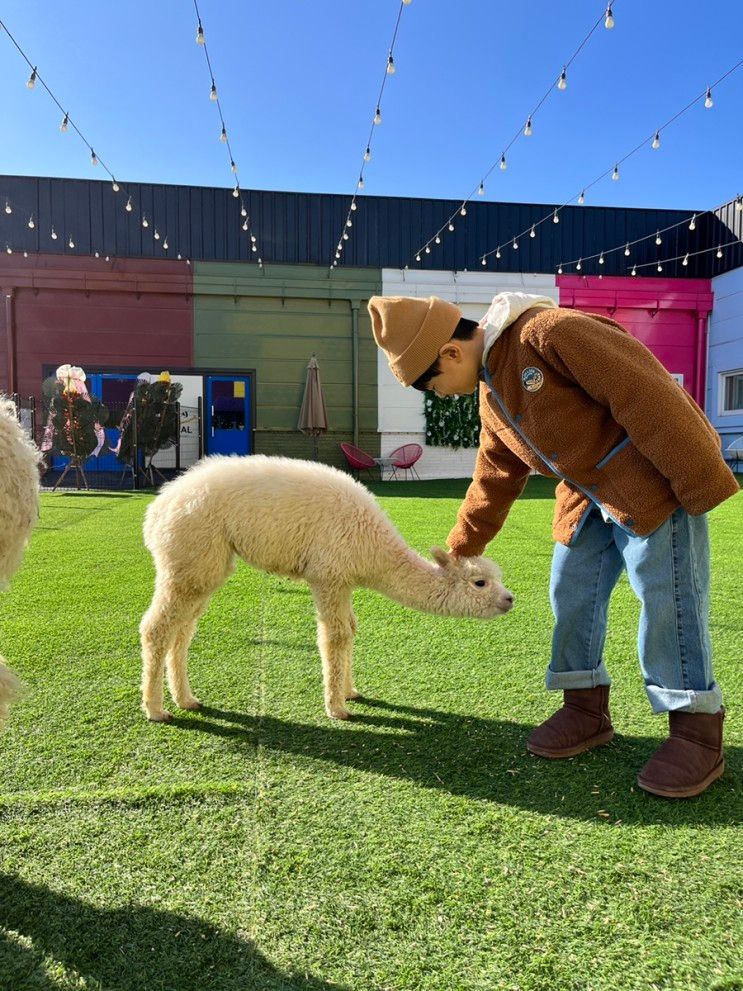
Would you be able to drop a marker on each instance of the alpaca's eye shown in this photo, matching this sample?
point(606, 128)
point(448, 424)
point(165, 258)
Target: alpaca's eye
point(481, 583)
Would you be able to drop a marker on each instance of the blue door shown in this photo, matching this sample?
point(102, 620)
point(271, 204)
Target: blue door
point(228, 427)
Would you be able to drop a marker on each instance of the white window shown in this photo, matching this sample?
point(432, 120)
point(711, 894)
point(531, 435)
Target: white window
point(731, 392)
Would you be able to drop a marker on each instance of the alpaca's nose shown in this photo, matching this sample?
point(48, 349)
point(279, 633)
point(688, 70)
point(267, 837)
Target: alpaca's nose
point(508, 600)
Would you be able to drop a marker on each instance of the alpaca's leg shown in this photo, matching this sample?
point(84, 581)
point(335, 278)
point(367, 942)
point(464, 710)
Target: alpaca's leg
point(350, 691)
point(158, 631)
point(335, 640)
point(177, 658)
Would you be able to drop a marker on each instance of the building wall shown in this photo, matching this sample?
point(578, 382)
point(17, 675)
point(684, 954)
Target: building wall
point(273, 322)
point(725, 352)
point(401, 418)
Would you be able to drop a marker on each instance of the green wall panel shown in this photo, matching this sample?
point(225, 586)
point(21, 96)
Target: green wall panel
point(273, 321)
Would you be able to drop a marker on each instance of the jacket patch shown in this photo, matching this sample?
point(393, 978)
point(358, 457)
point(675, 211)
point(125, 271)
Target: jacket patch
point(532, 379)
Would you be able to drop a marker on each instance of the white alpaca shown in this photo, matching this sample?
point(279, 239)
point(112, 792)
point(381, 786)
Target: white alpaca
point(301, 520)
point(19, 509)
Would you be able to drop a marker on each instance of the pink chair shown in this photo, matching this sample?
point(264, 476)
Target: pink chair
point(405, 458)
point(358, 460)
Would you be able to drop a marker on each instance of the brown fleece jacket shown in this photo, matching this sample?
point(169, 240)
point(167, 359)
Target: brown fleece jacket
point(577, 397)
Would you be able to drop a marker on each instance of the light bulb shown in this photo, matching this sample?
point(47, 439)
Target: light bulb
point(128, 206)
point(349, 222)
point(8, 207)
point(233, 166)
point(71, 243)
point(361, 182)
point(686, 259)
point(188, 261)
point(484, 261)
point(579, 266)
point(9, 249)
point(451, 226)
point(25, 254)
point(708, 101)
point(582, 198)
point(54, 235)
point(609, 20)
point(93, 157)
point(563, 81)
point(367, 154)
point(615, 173)
point(503, 165)
point(559, 269)
point(353, 205)
point(236, 192)
point(213, 92)
point(345, 236)
point(165, 244)
point(245, 225)
point(718, 253)
point(634, 270)
point(497, 253)
point(260, 263)
point(527, 129)
point(658, 239)
point(253, 248)
point(555, 217)
point(145, 221)
point(31, 82)
point(693, 224)
point(533, 231)
point(463, 211)
point(378, 116)
point(243, 212)
point(115, 186)
point(417, 258)
point(199, 35)
point(438, 239)
point(253, 238)
point(31, 222)
point(390, 65)
point(660, 267)
point(656, 141)
point(481, 189)
point(223, 135)
point(179, 256)
point(157, 234)
point(407, 2)
point(601, 258)
point(515, 245)
point(428, 250)
point(626, 250)
point(337, 254)
point(98, 254)
point(65, 122)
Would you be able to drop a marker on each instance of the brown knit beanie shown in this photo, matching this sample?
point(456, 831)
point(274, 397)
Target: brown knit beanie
point(412, 331)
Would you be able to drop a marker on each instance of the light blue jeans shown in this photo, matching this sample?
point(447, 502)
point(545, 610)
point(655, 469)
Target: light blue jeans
point(669, 572)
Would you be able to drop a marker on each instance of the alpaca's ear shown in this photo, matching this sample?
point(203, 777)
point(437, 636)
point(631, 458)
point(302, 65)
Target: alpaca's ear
point(440, 557)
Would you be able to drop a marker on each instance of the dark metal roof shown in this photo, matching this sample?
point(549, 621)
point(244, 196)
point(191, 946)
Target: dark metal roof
point(204, 223)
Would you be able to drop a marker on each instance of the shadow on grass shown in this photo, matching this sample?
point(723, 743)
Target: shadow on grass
point(483, 759)
point(126, 949)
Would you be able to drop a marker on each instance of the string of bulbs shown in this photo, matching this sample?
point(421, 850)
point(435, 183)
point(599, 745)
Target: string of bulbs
point(654, 141)
point(389, 70)
point(560, 83)
point(237, 192)
point(95, 160)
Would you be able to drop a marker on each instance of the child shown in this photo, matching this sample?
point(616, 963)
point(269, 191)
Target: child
point(576, 397)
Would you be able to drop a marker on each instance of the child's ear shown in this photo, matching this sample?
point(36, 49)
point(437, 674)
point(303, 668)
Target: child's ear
point(441, 557)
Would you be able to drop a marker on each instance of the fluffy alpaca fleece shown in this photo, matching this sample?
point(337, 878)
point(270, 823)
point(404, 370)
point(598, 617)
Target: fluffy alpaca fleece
point(19, 509)
point(298, 519)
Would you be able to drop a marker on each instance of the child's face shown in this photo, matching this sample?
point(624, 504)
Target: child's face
point(460, 364)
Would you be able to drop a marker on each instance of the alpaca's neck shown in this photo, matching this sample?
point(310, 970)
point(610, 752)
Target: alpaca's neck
point(409, 579)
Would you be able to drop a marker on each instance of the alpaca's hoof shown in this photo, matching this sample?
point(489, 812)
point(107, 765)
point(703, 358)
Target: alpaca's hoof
point(353, 694)
point(338, 713)
point(192, 704)
point(160, 717)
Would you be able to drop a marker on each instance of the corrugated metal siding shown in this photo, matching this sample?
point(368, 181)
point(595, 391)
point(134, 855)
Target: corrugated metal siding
point(204, 223)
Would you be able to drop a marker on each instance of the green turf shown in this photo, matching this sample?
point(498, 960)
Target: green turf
point(261, 846)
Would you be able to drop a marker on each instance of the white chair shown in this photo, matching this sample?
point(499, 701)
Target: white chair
point(734, 452)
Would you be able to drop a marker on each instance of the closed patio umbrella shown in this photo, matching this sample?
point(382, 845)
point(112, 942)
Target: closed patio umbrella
point(313, 417)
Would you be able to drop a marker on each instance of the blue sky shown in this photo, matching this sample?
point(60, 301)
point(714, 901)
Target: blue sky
point(298, 82)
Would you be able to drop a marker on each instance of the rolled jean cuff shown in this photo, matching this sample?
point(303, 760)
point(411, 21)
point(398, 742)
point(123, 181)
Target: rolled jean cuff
point(681, 700)
point(564, 680)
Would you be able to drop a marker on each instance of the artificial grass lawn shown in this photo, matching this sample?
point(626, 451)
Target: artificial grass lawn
point(261, 846)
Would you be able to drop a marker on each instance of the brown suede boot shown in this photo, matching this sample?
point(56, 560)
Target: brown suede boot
point(690, 759)
point(582, 723)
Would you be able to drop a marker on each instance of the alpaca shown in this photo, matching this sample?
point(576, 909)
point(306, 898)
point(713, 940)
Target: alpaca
point(19, 509)
point(304, 521)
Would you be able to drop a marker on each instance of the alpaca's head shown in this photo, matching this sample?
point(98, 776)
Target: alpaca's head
point(471, 586)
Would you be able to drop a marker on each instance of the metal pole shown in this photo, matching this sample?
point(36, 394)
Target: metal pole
point(177, 436)
point(200, 425)
point(10, 337)
point(135, 447)
point(355, 368)
point(32, 404)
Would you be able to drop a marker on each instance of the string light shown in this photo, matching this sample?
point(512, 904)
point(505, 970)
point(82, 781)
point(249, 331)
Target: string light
point(71, 243)
point(656, 141)
point(93, 157)
point(481, 189)
point(463, 211)
point(693, 223)
point(200, 35)
point(236, 191)
point(32, 79)
point(245, 225)
point(223, 135)
point(145, 221)
point(367, 154)
point(156, 234)
point(360, 183)
point(615, 173)
point(497, 253)
point(129, 206)
point(9, 249)
point(634, 269)
point(233, 167)
point(563, 80)
point(428, 250)
point(390, 65)
point(685, 262)
point(515, 245)
point(484, 261)
point(438, 239)
point(213, 93)
point(708, 101)
point(533, 232)
point(528, 129)
point(626, 250)
point(31, 222)
point(349, 222)
point(115, 186)
point(353, 206)
point(8, 207)
point(559, 269)
point(601, 258)
point(54, 235)
point(165, 243)
point(658, 239)
point(451, 226)
point(65, 123)
point(718, 253)
point(609, 20)
point(555, 217)
point(579, 266)
point(503, 165)
point(582, 198)
point(378, 116)
point(660, 267)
